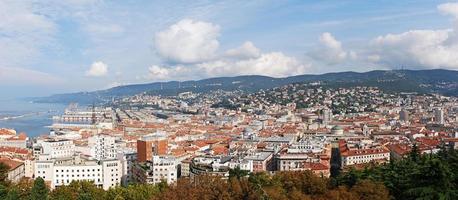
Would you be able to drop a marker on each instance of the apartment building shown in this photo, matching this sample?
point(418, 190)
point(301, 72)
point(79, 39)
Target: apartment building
point(62, 171)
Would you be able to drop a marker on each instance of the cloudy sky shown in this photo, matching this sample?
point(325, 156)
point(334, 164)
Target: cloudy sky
point(55, 46)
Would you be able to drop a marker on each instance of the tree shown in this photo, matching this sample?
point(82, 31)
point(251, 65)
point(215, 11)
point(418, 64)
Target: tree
point(3, 191)
point(39, 190)
point(237, 173)
point(12, 194)
point(4, 174)
point(63, 193)
point(24, 188)
point(414, 154)
point(368, 190)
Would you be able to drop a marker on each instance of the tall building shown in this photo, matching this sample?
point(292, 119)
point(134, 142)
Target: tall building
point(439, 116)
point(404, 115)
point(151, 145)
point(327, 116)
point(103, 147)
point(127, 158)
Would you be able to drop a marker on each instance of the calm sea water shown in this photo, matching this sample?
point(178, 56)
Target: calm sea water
point(28, 117)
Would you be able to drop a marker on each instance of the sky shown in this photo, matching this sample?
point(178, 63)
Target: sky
point(60, 46)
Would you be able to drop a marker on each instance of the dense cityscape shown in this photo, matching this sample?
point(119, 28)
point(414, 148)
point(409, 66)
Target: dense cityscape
point(155, 140)
point(228, 100)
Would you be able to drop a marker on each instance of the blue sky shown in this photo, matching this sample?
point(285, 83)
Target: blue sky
point(55, 46)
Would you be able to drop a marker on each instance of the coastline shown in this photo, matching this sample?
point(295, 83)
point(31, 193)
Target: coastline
point(28, 117)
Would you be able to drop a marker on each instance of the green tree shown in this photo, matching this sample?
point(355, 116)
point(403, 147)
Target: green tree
point(39, 190)
point(237, 173)
point(4, 174)
point(414, 154)
point(13, 194)
point(3, 192)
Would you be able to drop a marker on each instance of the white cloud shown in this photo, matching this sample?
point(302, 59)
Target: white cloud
point(194, 45)
point(188, 41)
point(19, 17)
point(156, 72)
point(449, 8)
point(23, 32)
point(246, 50)
point(97, 69)
point(274, 64)
point(331, 50)
point(417, 48)
point(420, 48)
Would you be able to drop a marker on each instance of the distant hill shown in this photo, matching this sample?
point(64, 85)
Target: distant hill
point(421, 81)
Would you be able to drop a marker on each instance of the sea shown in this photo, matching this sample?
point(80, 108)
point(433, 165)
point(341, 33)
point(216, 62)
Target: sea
point(28, 117)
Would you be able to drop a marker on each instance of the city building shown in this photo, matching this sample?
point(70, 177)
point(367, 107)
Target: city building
point(103, 147)
point(404, 115)
point(62, 171)
point(439, 116)
point(327, 116)
point(359, 152)
point(53, 148)
point(160, 168)
point(16, 169)
point(151, 145)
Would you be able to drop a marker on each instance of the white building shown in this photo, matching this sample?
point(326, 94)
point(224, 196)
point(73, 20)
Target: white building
point(161, 168)
point(360, 152)
point(16, 169)
point(29, 168)
point(327, 116)
point(103, 147)
point(164, 168)
point(62, 171)
point(245, 164)
point(439, 116)
point(127, 159)
point(50, 149)
point(17, 143)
